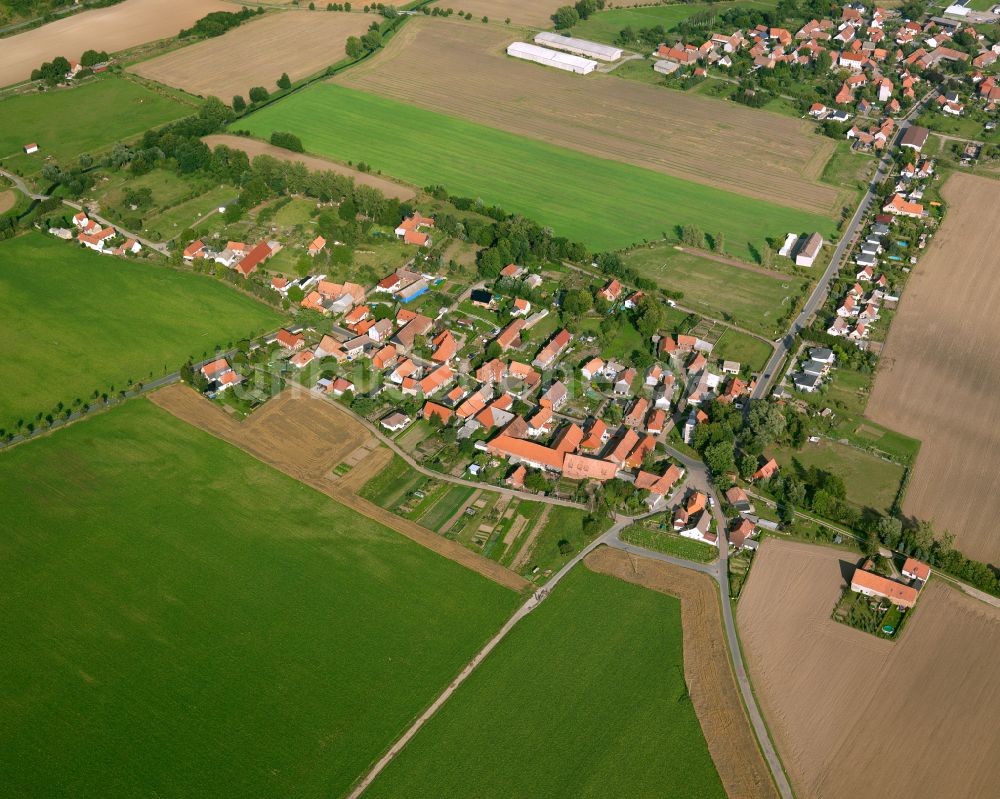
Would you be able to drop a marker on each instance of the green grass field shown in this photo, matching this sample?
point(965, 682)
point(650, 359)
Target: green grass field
point(870, 481)
point(604, 204)
point(585, 698)
point(446, 507)
point(67, 122)
point(670, 543)
point(181, 620)
point(743, 297)
point(737, 346)
point(605, 25)
point(75, 322)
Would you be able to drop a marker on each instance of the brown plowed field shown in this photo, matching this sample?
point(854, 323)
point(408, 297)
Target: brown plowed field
point(713, 142)
point(8, 199)
point(255, 54)
point(253, 147)
point(857, 716)
point(939, 372)
point(706, 668)
point(305, 437)
point(113, 28)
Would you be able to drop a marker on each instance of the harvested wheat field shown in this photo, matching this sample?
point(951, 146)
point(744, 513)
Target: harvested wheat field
point(114, 28)
point(854, 715)
point(297, 42)
point(254, 147)
point(707, 141)
point(939, 371)
point(707, 672)
point(306, 436)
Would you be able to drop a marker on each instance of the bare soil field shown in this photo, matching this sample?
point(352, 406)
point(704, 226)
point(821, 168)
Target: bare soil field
point(297, 42)
point(254, 147)
point(305, 437)
point(113, 28)
point(854, 715)
point(8, 199)
point(536, 13)
point(707, 671)
point(707, 141)
point(938, 373)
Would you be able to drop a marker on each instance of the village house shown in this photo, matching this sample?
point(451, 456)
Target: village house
point(411, 230)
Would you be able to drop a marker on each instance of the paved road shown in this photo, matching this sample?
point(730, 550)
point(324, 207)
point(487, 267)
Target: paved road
point(512, 492)
point(533, 602)
point(20, 185)
point(818, 295)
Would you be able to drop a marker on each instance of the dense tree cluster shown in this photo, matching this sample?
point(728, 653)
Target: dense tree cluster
point(218, 22)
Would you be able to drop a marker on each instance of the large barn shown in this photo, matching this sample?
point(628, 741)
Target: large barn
point(541, 55)
point(580, 47)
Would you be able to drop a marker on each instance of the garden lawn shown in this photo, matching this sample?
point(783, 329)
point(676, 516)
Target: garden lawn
point(604, 26)
point(585, 698)
point(871, 482)
point(670, 543)
point(749, 299)
point(447, 506)
point(181, 620)
point(87, 119)
point(601, 203)
point(744, 348)
point(76, 322)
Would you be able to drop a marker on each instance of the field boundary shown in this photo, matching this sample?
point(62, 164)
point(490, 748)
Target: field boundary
point(189, 406)
point(707, 668)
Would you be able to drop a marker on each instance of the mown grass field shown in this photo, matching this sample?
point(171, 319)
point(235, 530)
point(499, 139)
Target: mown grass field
point(746, 298)
point(870, 481)
point(670, 543)
point(585, 698)
point(87, 119)
point(602, 203)
point(181, 620)
point(76, 322)
point(604, 26)
point(744, 348)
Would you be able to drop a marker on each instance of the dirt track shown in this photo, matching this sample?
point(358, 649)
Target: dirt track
point(706, 668)
point(707, 141)
point(297, 42)
point(939, 372)
point(113, 28)
point(305, 437)
point(253, 147)
point(853, 715)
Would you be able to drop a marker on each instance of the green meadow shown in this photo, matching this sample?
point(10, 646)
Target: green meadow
point(181, 620)
point(604, 26)
point(585, 698)
point(76, 322)
point(603, 203)
point(750, 299)
point(65, 123)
